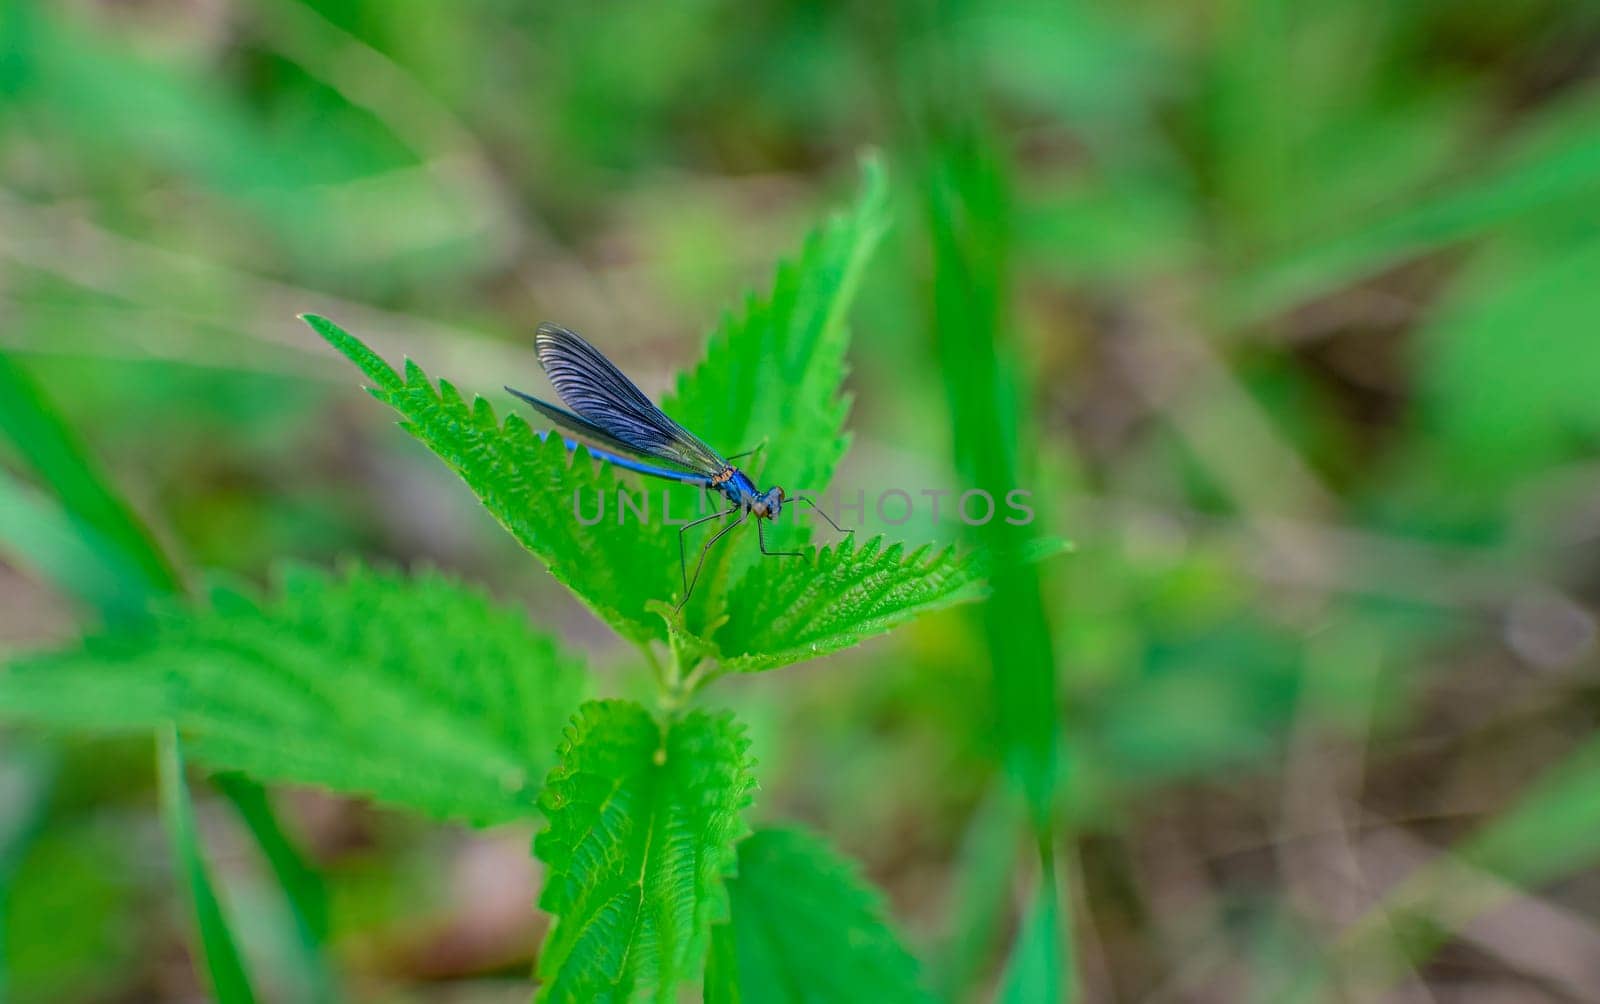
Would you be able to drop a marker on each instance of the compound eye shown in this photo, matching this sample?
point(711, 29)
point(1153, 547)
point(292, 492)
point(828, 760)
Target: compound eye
point(780, 493)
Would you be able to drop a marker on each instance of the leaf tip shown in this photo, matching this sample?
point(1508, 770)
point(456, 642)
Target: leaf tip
point(353, 349)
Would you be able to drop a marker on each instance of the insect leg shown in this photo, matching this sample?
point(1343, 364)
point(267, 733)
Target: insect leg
point(762, 537)
point(683, 561)
point(704, 550)
point(746, 453)
point(836, 526)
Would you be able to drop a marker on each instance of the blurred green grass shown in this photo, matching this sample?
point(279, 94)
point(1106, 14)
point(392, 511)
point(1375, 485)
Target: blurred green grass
point(1298, 302)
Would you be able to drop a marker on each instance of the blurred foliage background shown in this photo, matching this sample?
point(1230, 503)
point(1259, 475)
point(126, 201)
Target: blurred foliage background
point(1292, 307)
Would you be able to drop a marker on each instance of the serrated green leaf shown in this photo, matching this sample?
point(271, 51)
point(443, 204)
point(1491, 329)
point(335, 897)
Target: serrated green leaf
point(805, 928)
point(771, 375)
point(417, 692)
point(533, 486)
point(781, 613)
point(784, 612)
point(90, 543)
point(642, 828)
point(772, 372)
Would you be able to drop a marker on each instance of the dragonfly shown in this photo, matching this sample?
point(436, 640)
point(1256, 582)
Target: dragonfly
point(619, 425)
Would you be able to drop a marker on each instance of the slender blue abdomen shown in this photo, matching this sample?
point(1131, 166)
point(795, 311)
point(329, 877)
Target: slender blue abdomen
point(630, 464)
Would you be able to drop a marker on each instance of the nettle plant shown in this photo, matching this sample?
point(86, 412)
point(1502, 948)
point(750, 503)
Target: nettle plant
point(421, 694)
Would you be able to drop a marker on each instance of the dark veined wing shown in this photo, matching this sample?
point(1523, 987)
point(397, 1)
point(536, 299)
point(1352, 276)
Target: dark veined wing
point(585, 431)
point(601, 396)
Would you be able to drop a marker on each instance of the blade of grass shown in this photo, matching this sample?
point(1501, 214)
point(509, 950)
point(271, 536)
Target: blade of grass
point(223, 964)
point(47, 445)
point(91, 544)
point(1552, 832)
point(966, 204)
point(301, 884)
point(1036, 969)
point(966, 198)
point(1554, 161)
point(27, 775)
point(35, 529)
point(988, 854)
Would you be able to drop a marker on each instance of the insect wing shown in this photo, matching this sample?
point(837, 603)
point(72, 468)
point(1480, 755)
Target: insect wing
point(585, 431)
point(600, 395)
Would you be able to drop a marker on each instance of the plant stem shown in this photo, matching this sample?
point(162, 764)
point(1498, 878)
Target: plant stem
point(656, 669)
point(672, 696)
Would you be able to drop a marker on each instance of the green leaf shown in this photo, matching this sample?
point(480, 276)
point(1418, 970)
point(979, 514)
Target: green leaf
point(534, 487)
point(1511, 364)
point(771, 375)
point(772, 372)
point(642, 827)
point(784, 612)
point(90, 544)
point(804, 927)
point(771, 378)
point(417, 692)
point(226, 969)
